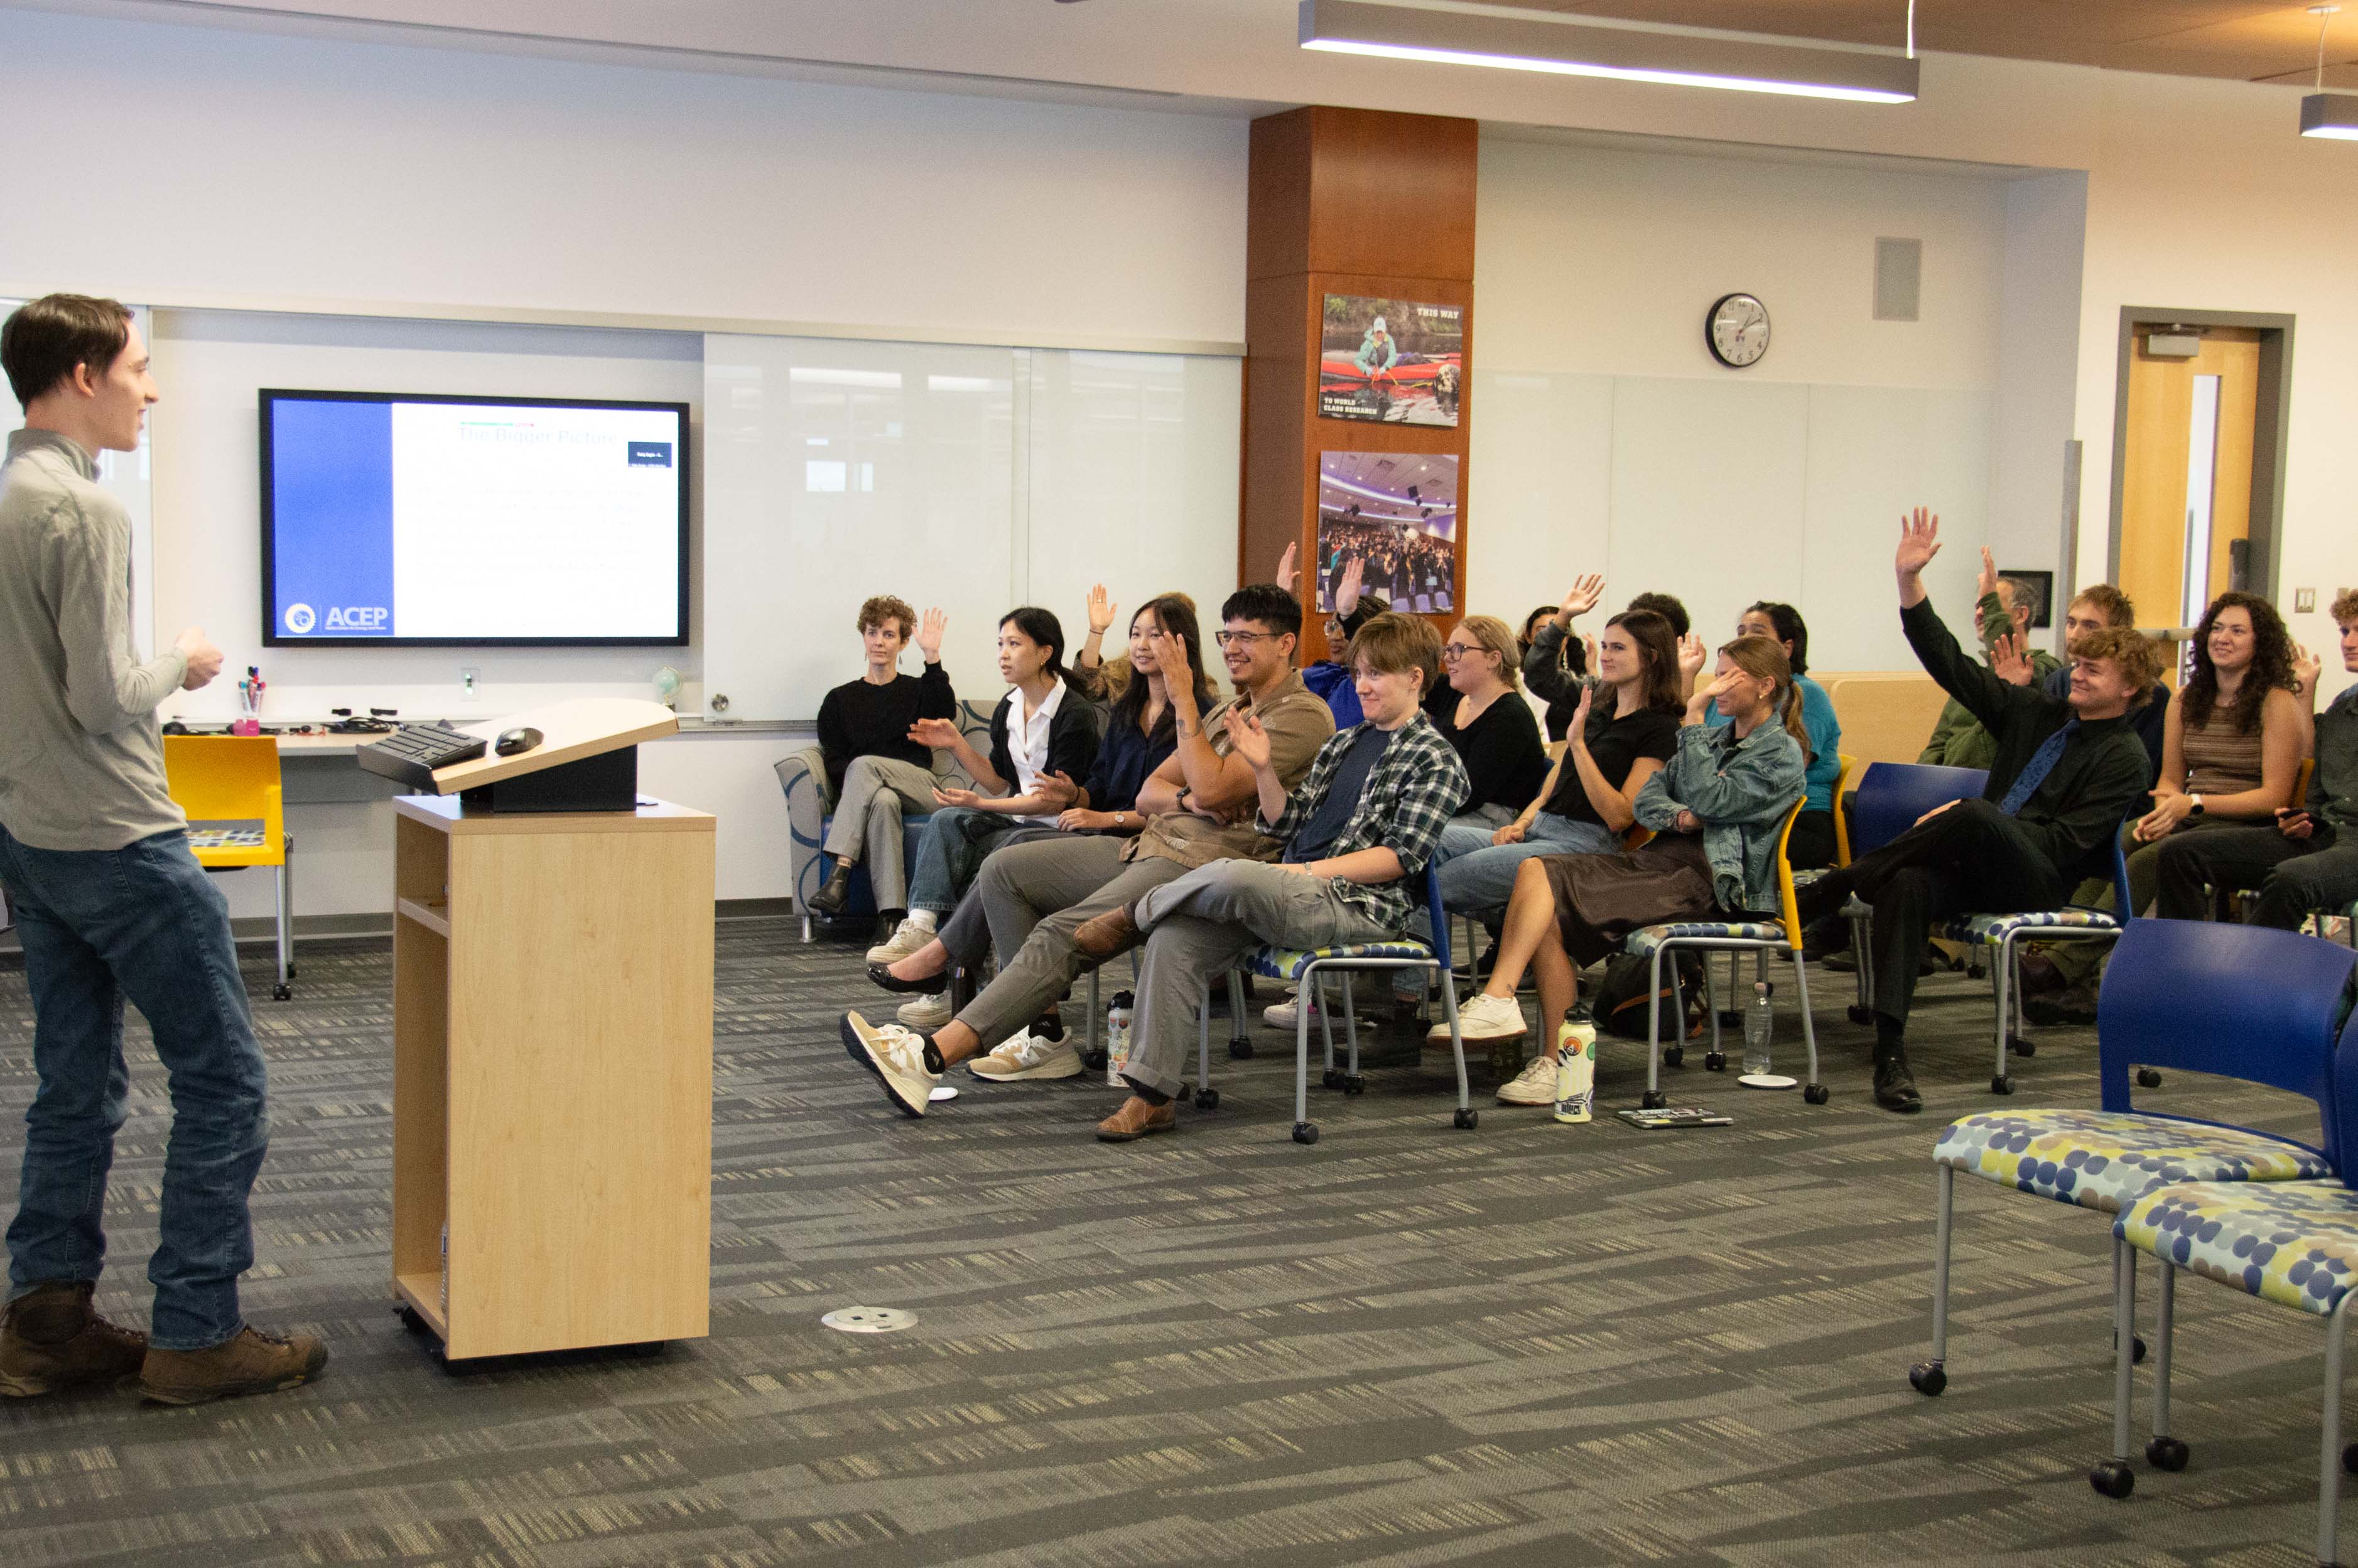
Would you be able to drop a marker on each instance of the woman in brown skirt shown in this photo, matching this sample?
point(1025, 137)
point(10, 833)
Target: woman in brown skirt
point(1716, 810)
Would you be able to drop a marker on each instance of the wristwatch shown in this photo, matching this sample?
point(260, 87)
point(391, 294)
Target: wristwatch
point(1120, 818)
point(2197, 809)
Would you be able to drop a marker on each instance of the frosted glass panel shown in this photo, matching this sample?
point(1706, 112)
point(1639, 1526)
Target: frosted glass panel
point(837, 469)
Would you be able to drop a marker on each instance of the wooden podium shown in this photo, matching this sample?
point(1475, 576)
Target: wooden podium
point(553, 1053)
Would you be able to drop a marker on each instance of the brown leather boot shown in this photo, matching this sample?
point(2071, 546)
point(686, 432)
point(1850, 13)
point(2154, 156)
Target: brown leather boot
point(252, 1363)
point(1136, 1118)
point(1112, 933)
point(50, 1339)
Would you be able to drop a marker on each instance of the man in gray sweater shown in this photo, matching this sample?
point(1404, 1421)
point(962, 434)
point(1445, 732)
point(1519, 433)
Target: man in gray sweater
point(111, 907)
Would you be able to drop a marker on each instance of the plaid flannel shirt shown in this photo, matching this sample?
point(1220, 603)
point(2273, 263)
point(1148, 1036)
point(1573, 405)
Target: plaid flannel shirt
point(1415, 788)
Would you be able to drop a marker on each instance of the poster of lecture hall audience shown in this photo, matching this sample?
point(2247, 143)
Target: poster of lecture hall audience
point(1391, 360)
point(1396, 514)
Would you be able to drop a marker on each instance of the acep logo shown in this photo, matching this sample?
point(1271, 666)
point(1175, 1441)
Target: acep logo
point(299, 618)
point(363, 618)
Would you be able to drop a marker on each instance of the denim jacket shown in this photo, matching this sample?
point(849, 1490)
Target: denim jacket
point(1742, 790)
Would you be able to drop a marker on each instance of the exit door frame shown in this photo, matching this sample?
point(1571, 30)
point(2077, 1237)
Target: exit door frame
point(2270, 426)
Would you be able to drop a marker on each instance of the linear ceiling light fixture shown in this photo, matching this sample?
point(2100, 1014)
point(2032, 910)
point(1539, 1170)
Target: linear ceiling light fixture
point(1677, 57)
point(2325, 113)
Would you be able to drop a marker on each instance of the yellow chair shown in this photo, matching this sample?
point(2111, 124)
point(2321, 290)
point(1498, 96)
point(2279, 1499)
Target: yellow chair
point(228, 785)
point(1842, 823)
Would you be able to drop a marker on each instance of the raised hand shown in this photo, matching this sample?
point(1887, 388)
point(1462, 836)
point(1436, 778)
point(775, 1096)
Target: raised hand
point(1055, 791)
point(929, 636)
point(1691, 656)
point(964, 797)
point(1577, 729)
point(2305, 668)
point(2007, 661)
point(1920, 541)
point(1346, 594)
point(1582, 597)
point(1248, 740)
point(1706, 696)
point(938, 733)
point(1101, 609)
point(1985, 582)
point(1288, 571)
point(1171, 663)
point(1589, 645)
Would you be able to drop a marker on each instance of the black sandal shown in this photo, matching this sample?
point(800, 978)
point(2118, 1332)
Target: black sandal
point(931, 985)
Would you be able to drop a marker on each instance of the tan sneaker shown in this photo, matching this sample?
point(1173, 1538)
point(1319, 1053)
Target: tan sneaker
point(927, 1012)
point(1027, 1056)
point(909, 938)
point(50, 1339)
point(1136, 1119)
point(252, 1363)
point(1535, 1085)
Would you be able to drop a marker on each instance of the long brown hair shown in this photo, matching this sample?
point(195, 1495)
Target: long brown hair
point(1658, 650)
point(1763, 658)
point(2270, 668)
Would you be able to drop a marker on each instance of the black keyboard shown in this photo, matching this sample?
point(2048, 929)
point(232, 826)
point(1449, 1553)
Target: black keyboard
point(411, 754)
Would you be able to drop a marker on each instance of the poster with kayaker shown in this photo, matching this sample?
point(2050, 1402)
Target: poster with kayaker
point(1393, 361)
point(1388, 524)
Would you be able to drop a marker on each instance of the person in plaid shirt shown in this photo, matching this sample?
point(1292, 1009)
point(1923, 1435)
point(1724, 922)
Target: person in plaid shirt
point(1357, 834)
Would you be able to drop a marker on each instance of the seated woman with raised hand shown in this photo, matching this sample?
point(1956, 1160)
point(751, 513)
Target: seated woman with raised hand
point(1714, 810)
point(1035, 733)
point(1622, 732)
point(1140, 732)
point(1478, 711)
point(1813, 844)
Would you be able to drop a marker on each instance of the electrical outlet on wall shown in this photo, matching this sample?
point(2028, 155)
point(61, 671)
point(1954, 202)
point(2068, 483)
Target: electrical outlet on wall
point(467, 679)
point(2304, 600)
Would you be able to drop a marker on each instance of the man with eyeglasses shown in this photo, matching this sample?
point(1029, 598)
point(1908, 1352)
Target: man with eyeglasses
point(1199, 804)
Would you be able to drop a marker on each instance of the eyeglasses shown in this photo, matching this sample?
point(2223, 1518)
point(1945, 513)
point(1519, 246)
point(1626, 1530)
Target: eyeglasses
point(1454, 651)
point(1244, 639)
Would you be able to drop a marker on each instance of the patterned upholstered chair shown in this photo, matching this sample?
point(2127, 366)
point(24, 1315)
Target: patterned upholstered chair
point(803, 778)
point(2292, 1243)
point(1759, 939)
point(2240, 1001)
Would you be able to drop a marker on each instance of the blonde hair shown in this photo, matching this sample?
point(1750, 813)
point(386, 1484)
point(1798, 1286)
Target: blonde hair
point(1763, 658)
point(1493, 635)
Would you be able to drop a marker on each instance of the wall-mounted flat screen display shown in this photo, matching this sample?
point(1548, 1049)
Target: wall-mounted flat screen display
point(442, 521)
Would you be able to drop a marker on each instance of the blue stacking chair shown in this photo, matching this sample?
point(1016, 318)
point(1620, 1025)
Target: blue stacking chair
point(2292, 1243)
point(1311, 966)
point(2240, 1001)
point(1891, 796)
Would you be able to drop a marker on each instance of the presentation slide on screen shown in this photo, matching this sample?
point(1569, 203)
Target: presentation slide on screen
point(453, 521)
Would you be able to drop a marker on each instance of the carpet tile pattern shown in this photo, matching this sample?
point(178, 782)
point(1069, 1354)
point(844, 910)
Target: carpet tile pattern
point(1408, 1345)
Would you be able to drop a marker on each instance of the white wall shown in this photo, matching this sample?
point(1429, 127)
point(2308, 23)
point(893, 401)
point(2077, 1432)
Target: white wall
point(1609, 440)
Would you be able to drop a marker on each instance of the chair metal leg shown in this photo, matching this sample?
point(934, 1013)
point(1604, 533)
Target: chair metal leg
point(1718, 1054)
point(1813, 1091)
point(1096, 1017)
point(1304, 1132)
point(1929, 1378)
point(285, 925)
point(2113, 1478)
point(1350, 1029)
point(1315, 986)
point(2329, 1483)
point(2165, 1452)
point(1237, 1034)
point(2001, 973)
point(1653, 1099)
point(1465, 1114)
point(806, 931)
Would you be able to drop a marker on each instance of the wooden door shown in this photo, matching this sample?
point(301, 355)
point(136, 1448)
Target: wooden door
point(2186, 485)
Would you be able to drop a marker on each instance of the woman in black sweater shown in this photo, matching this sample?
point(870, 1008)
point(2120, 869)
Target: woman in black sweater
point(1479, 711)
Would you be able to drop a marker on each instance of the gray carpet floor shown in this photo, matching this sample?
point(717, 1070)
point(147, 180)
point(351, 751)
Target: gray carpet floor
point(1406, 1345)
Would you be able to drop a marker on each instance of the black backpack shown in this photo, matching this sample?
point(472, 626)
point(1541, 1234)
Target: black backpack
point(1619, 1006)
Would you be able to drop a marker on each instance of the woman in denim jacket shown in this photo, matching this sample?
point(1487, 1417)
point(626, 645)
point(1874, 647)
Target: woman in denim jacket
point(1716, 810)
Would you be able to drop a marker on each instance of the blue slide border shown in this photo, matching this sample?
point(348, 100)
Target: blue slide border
point(273, 635)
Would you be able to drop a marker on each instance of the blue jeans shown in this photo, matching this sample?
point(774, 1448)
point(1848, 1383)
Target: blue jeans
point(143, 924)
point(950, 851)
point(1477, 877)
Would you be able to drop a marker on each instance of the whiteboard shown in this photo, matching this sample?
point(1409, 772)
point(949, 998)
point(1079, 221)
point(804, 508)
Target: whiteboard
point(970, 479)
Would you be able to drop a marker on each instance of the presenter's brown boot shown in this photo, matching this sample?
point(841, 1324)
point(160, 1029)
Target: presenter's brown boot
point(252, 1363)
point(51, 1339)
point(1109, 934)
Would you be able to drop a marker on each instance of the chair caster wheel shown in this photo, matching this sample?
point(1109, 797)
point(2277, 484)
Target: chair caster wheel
point(1240, 1050)
point(282, 993)
point(1095, 1061)
point(1730, 1019)
point(1974, 971)
point(2001, 1085)
point(1715, 1062)
point(2113, 1478)
point(1207, 1099)
point(1862, 1016)
point(1927, 1379)
point(647, 1350)
point(2137, 1350)
point(410, 1318)
point(2165, 1453)
point(1354, 1084)
point(1653, 1099)
point(1815, 1093)
point(1467, 1119)
point(1674, 1055)
point(2147, 1078)
point(2350, 1458)
point(1331, 1078)
point(1305, 1132)
point(2020, 1046)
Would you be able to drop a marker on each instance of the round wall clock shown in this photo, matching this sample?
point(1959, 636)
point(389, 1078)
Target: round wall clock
point(1736, 330)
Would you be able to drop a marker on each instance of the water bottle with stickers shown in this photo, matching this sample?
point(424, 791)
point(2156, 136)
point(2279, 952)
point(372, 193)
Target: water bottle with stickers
point(1575, 1066)
point(1117, 1038)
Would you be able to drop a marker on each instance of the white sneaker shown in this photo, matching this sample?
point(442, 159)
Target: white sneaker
point(1486, 1017)
point(1026, 1056)
point(909, 936)
point(927, 1011)
point(895, 1056)
point(1535, 1085)
point(1281, 1015)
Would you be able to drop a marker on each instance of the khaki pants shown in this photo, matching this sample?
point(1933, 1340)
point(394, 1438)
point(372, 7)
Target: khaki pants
point(867, 821)
point(1035, 896)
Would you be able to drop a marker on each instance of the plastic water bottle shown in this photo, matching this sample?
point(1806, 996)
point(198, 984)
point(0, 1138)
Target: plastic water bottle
point(1759, 1023)
point(1118, 1039)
